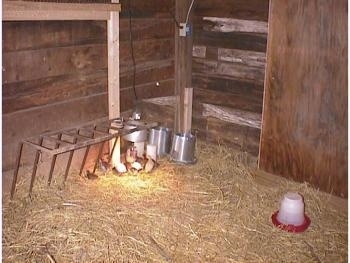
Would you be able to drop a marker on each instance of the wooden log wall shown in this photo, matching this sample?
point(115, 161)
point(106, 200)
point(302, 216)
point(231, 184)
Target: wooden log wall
point(229, 53)
point(304, 134)
point(229, 57)
point(55, 73)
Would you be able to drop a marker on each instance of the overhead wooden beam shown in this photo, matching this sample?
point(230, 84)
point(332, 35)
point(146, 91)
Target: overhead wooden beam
point(35, 11)
point(183, 70)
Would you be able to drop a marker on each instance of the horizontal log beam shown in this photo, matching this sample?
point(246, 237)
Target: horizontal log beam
point(34, 11)
point(231, 115)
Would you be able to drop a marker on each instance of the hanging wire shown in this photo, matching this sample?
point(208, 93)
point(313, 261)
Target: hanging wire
point(189, 11)
point(187, 17)
point(132, 52)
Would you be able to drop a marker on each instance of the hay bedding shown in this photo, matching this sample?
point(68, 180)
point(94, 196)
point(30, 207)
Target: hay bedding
point(213, 211)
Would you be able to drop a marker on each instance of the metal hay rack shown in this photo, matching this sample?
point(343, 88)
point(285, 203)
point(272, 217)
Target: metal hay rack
point(69, 140)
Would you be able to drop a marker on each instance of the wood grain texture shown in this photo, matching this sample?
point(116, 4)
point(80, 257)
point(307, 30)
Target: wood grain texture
point(164, 114)
point(239, 117)
point(19, 36)
point(183, 65)
point(230, 56)
point(304, 134)
point(31, 11)
point(241, 9)
point(29, 94)
point(233, 40)
point(34, 64)
point(237, 87)
point(149, 8)
point(56, 63)
point(42, 34)
point(223, 24)
point(225, 99)
point(242, 138)
point(148, 90)
point(147, 28)
point(243, 57)
point(113, 60)
point(229, 70)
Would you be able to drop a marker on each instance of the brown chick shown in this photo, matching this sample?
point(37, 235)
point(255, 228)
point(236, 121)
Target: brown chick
point(149, 164)
point(129, 158)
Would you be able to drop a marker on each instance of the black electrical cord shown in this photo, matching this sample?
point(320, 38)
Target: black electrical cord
point(132, 52)
point(174, 18)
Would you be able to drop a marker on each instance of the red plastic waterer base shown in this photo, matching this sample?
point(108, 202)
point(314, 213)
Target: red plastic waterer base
point(291, 228)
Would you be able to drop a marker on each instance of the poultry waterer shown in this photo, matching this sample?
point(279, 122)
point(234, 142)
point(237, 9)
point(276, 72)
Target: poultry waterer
point(183, 148)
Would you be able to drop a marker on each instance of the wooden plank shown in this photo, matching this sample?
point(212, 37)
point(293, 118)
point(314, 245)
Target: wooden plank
point(242, 138)
point(223, 24)
point(240, 9)
point(113, 78)
point(162, 113)
point(50, 62)
point(153, 71)
point(143, 9)
point(230, 115)
point(183, 62)
point(29, 11)
point(150, 64)
point(79, 59)
point(147, 50)
point(243, 57)
point(27, 94)
point(227, 100)
point(232, 40)
point(113, 65)
point(231, 70)
point(188, 97)
point(163, 101)
point(146, 28)
point(211, 53)
point(304, 132)
point(229, 85)
point(150, 90)
point(30, 35)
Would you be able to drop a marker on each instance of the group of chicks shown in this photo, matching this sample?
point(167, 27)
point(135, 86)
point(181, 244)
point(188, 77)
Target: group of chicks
point(133, 164)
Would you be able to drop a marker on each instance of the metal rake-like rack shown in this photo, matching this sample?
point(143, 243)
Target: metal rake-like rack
point(68, 140)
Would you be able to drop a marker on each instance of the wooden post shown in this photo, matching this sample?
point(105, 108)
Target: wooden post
point(113, 76)
point(183, 70)
point(188, 97)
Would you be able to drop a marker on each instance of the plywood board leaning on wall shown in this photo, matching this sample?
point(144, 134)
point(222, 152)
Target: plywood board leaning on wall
point(304, 132)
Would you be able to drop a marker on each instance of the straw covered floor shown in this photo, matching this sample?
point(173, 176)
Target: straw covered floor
point(213, 211)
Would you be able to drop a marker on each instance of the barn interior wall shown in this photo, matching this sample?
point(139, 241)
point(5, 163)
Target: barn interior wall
point(229, 58)
point(55, 76)
point(55, 72)
point(230, 53)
